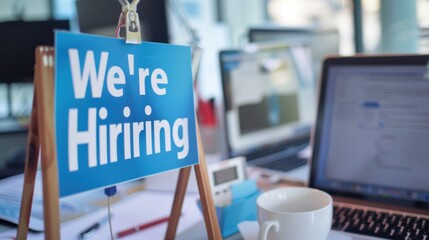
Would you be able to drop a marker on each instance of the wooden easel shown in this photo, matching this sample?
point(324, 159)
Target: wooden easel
point(42, 138)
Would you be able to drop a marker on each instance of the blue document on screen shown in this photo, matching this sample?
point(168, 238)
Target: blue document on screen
point(122, 111)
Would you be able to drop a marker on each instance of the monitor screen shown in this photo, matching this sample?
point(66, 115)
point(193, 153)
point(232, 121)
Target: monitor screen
point(322, 42)
point(374, 131)
point(13, 143)
point(225, 175)
point(268, 96)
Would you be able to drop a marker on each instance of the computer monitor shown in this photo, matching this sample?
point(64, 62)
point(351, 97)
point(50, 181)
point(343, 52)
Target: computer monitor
point(372, 131)
point(17, 63)
point(18, 43)
point(17, 46)
point(268, 98)
point(322, 42)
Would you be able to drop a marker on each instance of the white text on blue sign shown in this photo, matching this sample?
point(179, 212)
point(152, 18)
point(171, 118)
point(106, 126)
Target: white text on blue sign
point(155, 80)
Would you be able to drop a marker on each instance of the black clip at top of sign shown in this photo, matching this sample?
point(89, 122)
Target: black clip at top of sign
point(129, 23)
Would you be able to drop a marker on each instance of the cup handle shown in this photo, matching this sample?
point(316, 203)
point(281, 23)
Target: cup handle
point(263, 231)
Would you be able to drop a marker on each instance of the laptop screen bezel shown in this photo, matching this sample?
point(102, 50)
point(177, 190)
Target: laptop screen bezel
point(269, 148)
point(373, 60)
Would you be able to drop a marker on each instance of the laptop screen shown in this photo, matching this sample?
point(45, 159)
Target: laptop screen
point(372, 134)
point(268, 97)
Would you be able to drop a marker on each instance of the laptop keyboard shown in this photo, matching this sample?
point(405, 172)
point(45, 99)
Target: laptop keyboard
point(380, 224)
point(285, 164)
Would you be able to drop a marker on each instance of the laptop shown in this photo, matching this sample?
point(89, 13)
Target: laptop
point(371, 145)
point(269, 105)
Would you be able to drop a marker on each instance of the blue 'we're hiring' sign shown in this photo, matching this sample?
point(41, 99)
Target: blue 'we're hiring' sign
point(121, 111)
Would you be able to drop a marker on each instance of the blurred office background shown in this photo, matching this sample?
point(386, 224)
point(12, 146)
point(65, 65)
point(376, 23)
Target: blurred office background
point(359, 26)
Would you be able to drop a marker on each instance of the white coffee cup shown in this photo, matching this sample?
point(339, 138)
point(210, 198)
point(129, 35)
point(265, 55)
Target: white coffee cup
point(294, 213)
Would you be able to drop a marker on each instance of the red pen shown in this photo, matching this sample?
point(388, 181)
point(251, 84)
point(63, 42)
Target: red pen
point(141, 227)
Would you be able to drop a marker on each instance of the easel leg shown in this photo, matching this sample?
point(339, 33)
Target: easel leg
point(207, 204)
point(209, 212)
point(30, 170)
point(179, 196)
point(27, 194)
point(210, 217)
point(45, 108)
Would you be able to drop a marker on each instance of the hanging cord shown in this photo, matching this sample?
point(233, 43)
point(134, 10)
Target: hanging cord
point(126, 6)
point(121, 22)
point(110, 217)
point(110, 192)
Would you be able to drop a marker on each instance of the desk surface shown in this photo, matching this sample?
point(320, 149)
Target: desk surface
point(194, 229)
point(137, 209)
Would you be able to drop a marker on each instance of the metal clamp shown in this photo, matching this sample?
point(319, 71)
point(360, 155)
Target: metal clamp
point(129, 22)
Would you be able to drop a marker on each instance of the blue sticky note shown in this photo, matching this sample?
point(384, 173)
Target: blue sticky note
point(122, 111)
point(243, 190)
point(242, 208)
